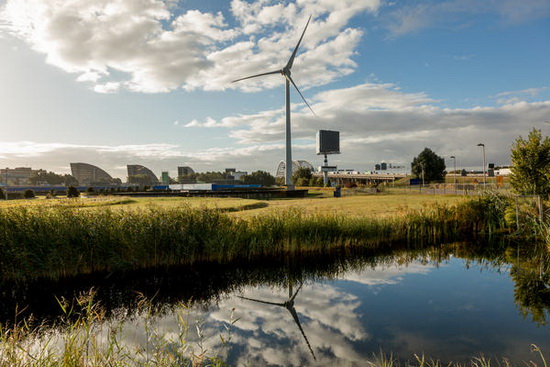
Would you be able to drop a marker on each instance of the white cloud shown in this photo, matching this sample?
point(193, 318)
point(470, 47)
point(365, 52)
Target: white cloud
point(511, 97)
point(381, 122)
point(158, 157)
point(332, 316)
point(147, 46)
point(376, 122)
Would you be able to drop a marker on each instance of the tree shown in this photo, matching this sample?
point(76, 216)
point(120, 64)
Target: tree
point(428, 165)
point(531, 165)
point(52, 178)
point(301, 176)
point(73, 192)
point(206, 177)
point(259, 177)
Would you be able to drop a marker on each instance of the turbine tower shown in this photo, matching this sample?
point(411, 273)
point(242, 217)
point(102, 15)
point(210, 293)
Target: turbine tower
point(285, 71)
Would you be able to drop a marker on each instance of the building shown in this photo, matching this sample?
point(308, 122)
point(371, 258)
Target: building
point(232, 173)
point(185, 170)
point(15, 176)
point(165, 178)
point(137, 169)
point(295, 165)
point(87, 174)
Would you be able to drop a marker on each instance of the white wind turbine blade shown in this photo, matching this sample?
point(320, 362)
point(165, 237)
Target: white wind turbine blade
point(298, 90)
point(254, 76)
point(291, 60)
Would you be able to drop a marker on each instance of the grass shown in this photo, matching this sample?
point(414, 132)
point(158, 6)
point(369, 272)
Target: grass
point(66, 239)
point(84, 337)
point(228, 204)
point(320, 201)
point(380, 205)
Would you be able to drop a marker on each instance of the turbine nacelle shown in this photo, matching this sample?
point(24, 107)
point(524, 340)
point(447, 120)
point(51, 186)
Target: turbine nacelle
point(286, 70)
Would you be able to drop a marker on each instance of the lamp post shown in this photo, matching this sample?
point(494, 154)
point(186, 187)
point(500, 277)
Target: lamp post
point(484, 178)
point(454, 164)
point(6, 187)
point(454, 161)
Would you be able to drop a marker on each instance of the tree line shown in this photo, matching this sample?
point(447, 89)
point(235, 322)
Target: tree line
point(530, 158)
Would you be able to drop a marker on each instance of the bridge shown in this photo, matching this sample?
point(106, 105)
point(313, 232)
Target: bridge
point(343, 178)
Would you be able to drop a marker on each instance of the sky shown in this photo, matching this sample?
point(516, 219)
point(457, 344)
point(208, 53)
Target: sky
point(117, 82)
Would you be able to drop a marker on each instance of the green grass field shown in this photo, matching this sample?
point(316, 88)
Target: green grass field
point(320, 201)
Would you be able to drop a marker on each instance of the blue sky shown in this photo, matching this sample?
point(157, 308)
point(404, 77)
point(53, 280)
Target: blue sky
point(117, 82)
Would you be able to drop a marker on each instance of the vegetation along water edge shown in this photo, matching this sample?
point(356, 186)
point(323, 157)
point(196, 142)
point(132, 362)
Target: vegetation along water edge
point(61, 241)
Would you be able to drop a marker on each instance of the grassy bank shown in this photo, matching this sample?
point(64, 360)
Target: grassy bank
point(57, 241)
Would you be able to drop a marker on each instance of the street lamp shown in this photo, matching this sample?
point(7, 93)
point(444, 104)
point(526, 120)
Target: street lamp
point(454, 160)
point(6, 187)
point(483, 147)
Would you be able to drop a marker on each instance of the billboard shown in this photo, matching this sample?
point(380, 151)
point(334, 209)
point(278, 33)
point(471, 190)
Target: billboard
point(328, 142)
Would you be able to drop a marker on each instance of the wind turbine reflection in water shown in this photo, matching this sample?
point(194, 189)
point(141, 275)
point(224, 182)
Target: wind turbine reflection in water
point(289, 305)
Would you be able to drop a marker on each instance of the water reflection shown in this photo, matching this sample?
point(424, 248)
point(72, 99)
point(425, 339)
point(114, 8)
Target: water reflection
point(531, 276)
point(451, 302)
point(203, 283)
point(289, 305)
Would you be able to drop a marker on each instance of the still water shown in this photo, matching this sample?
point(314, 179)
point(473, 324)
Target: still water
point(443, 302)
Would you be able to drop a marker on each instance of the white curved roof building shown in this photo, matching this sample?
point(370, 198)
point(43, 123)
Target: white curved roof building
point(138, 169)
point(299, 163)
point(87, 174)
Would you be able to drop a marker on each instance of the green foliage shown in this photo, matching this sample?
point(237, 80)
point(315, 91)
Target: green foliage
point(531, 276)
point(483, 215)
point(29, 194)
point(430, 165)
point(316, 182)
point(72, 192)
point(301, 176)
point(207, 177)
point(2, 195)
point(52, 178)
point(259, 177)
point(531, 165)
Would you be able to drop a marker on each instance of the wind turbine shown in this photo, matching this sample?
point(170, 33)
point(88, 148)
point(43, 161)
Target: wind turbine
point(285, 71)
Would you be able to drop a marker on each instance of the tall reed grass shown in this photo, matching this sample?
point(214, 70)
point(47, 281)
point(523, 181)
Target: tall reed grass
point(57, 242)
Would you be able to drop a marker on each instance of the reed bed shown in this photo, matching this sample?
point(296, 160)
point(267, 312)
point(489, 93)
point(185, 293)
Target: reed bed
point(55, 242)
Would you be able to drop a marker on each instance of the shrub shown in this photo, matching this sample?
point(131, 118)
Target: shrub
point(29, 194)
point(73, 192)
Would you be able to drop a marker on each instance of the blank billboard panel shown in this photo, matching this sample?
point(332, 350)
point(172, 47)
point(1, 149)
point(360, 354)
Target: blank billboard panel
point(328, 142)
